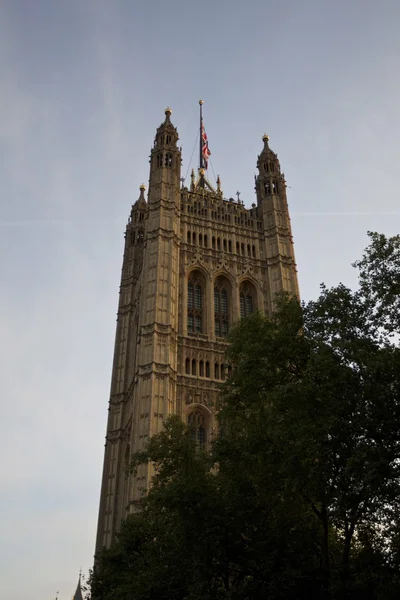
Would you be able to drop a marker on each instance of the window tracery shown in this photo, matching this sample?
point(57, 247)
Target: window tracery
point(197, 421)
point(246, 300)
point(221, 312)
point(195, 305)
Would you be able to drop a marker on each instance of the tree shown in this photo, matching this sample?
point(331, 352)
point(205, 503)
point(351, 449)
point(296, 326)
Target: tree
point(299, 496)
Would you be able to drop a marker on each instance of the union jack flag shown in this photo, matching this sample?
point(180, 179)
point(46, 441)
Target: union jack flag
point(205, 151)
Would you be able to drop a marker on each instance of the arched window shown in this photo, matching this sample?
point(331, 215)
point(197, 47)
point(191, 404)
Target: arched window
point(237, 248)
point(221, 312)
point(218, 244)
point(194, 237)
point(168, 160)
point(196, 420)
point(213, 243)
point(195, 305)
point(201, 368)
point(187, 366)
point(216, 371)
point(253, 250)
point(205, 241)
point(194, 367)
point(247, 300)
point(230, 245)
point(188, 237)
point(200, 239)
point(207, 369)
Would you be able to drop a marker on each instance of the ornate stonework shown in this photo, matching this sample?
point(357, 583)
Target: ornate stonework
point(194, 263)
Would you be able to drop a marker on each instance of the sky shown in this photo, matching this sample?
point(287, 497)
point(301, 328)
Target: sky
point(84, 85)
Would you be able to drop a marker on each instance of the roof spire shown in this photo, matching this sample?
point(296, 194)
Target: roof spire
point(78, 593)
point(265, 139)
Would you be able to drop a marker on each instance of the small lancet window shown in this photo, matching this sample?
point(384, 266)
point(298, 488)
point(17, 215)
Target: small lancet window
point(187, 366)
point(207, 369)
point(168, 159)
point(216, 371)
point(195, 306)
point(194, 367)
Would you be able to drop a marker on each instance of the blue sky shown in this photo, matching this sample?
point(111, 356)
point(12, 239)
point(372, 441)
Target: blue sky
point(84, 84)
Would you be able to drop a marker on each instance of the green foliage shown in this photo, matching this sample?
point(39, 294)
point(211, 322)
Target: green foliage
point(299, 495)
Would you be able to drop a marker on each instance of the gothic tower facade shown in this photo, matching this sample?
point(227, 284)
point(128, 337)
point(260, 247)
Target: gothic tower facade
point(194, 263)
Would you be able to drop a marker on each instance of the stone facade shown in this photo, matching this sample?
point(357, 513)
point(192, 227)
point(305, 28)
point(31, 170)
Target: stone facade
point(194, 263)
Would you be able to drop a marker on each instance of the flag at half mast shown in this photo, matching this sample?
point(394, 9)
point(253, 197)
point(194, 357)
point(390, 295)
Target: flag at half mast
point(204, 149)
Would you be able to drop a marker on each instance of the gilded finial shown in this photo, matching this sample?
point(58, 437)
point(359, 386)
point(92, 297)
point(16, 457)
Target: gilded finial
point(265, 138)
point(168, 111)
point(201, 171)
point(142, 188)
point(201, 102)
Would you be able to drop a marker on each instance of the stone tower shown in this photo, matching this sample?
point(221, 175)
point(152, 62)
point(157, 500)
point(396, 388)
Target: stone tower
point(194, 263)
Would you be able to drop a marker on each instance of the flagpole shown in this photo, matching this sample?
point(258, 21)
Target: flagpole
point(201, 102)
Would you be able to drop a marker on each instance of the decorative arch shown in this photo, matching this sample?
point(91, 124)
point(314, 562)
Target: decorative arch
point(222, 272)
point(197, 267)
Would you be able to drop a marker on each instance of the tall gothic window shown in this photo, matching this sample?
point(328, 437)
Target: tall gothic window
point(246, 301)
point(221, 310)
point(196, 420)
point(195, 306)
